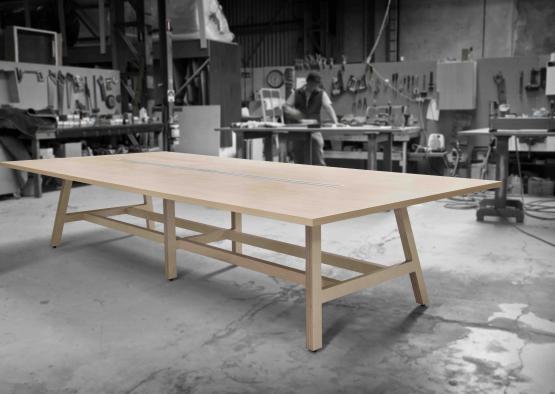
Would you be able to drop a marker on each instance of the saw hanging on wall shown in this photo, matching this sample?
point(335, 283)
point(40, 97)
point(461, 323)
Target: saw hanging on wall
point(352, 84)
point(337, 85)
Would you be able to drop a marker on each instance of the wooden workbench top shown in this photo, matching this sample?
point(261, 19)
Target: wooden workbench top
point(506, 133)
point(337, 129)
point(303, 194)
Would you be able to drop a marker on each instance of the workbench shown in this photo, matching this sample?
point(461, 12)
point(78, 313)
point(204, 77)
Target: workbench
point(500, 206)
point(374, 136)
point(81, 133)
point(311, 196)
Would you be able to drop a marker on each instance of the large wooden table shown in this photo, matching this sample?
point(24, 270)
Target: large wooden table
point(372, 135)
point(307, 195)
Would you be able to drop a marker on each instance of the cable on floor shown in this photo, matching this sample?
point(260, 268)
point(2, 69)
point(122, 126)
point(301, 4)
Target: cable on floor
point(472, 201)
point(519, 228)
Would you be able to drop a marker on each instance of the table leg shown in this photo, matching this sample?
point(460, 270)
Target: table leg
point(308, 148)
point(150, 224)
point(404, 157)
point(502, 171)
point(411, 255)
point(59, 221)
point(387, 148)
point(241, 149)
point(37, 178)
point(268, 144)
point(313, 288)
point(469, 152)
point(372, 162)
point(170, 240)
point(236, 224)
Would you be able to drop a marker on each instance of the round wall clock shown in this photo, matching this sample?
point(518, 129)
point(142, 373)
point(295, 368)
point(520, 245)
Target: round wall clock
point(274, 79)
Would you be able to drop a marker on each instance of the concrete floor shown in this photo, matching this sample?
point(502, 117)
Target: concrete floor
point(97, 316)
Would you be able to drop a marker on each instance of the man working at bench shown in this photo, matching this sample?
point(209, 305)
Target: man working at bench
point(307, 103)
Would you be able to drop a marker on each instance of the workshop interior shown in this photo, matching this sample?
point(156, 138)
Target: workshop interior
point(445, 107)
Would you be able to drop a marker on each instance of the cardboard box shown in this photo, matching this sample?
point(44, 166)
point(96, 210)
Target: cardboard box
point(69, 149)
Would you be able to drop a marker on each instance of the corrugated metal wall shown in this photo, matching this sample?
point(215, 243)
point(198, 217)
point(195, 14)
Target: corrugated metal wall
point(270, 32)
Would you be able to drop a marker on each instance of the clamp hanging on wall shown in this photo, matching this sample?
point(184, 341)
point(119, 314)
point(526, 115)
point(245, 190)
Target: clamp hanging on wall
point(499, 80)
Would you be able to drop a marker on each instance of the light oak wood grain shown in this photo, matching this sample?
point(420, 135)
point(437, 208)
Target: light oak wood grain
point(308, 195)
point(313, 288)
point(411, 254)
point(237, 225)
point(61, 214)
point(149, 206)
point(170, 241)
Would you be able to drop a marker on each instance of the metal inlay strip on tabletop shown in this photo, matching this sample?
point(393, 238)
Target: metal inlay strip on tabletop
point(238, 174)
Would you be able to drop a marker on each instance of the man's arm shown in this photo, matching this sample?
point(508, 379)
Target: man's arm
point(326, 104)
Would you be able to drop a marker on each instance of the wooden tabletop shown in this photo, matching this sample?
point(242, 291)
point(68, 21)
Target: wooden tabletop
point(308, 195)
point(340, 129)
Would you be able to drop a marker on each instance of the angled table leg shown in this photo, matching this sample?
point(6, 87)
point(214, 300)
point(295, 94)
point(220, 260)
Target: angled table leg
point(150, 224)
point(411, 254)
point(170, 241)
point(61, 213)
point(313, 288)
point(236, 224)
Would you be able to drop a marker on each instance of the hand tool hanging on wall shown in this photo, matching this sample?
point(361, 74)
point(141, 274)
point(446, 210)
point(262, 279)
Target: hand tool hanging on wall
point(501, 91)
point(394, 83)
point(70, 88)
point(521, 84)
point(351, 84)
point(87, 94)
point(95, 99)
point(60, 84)
point(80, 106)
point(51, 86)
point(110, 82)
point(362, 86)
point(416, 87)
point(108, 99)
point(337, 87)
point(534, 82)
point(19, 73)
point(431, 86)
point(424, 91)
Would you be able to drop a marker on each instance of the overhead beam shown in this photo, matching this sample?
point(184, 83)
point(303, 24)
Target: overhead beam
point(27, 11)
point(62, 24)
point(102, 25)
point(84, 19)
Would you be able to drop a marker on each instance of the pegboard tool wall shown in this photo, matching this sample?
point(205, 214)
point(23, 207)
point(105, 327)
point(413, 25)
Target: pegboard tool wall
point(34, 94)
point(450, 121)
point(343, 104)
